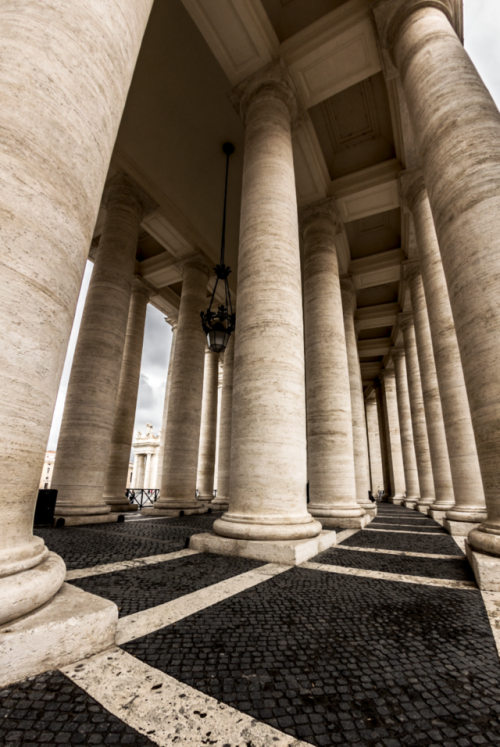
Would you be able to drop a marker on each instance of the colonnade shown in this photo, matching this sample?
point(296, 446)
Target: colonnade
point(450, 336)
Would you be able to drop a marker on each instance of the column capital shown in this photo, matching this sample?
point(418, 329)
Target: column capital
point(195, 262)
point(392, 15)
point(325, 211)
point(411, 269)
point(411, 188)
point(122, 190)
point(348, 293)
point(387, 373)
point(397, 352)
point(139, 286)
point(405, 320)
point(272, 81)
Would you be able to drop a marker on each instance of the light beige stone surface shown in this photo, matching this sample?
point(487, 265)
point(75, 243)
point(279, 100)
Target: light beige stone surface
point(221, 501)
point(164, 709)
point(466, 476)
point(359, 437)
point(441, 472)
point(126, 402)
point(208, 429)
point(267, 498)
point(384, 439)
point(168, 387)
point(459, 528)
point(182, 436)
point(461, 174)
point(419, 425)
point(73, 625)
point(486, 568)
point(330, 449)
point(89, 409)
point(405, 428)
point(394, 446)
point(284, 552)
point(373, 431)
point(50, 191)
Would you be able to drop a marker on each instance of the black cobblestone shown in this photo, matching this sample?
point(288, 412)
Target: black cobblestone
point(458, 570)
point(51, 709)
point(334, 659)
point(141, 588)
point(441, 544)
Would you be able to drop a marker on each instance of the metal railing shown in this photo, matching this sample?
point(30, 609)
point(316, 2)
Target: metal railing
point(143, 496)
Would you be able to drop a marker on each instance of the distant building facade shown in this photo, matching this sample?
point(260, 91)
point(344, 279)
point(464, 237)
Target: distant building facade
point(146, 448)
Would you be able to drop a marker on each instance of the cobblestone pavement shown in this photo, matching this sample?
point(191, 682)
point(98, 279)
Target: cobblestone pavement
point(50, 709)
point(149, 586)
point(328, 658)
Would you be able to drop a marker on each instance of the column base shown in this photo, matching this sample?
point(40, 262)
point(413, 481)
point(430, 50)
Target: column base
point(486, 568)
point(410, 504)
point(371, 510)
point(222, 505)
point(284, 552)
point(459, 528)
point(472, 516)
point(396, 500)
point(72, 626)
point(123, 507)
point(174, 511)
point(423, 509)
point(356, 522)
point(438, 515)
point(72, 521)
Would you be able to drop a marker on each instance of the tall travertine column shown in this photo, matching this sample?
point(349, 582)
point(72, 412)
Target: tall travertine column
point(330, 447)
point(221, 501)
point(398, 485)
point(405, 429)
point(168, 386)
point(443, 487)
point(208, 430)
point(123, 428)
point(384, 440)
point(182, 434)
point(418, 422)
point(89, 410)
point(219, 405)
point(49, 204)
point(360, 442)
point(372, 427)
point(267, 498)
point(464, 464)
point(461, 170)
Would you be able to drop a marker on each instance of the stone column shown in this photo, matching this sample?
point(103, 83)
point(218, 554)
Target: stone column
point(208, 431)
point(182, 434)
point(89, 411)
point(360, 443)
point(222, 499)
point(384, 441)
point(419, 425)
point(398, 484)
point(372, 427)
point(58, 132)
point(457, 128)
point(405, 429)
point(219, 401)
point(168, 387)
point(330, 446)
point(470, 507)
point(126, 402)
point(267, 499)
point(443, 487)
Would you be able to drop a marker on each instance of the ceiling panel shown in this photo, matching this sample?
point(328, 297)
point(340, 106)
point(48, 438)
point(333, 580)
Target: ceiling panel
point(375, 233)
point(288, 17)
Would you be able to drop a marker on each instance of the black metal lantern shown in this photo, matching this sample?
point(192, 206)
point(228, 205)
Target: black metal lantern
point(218, 325)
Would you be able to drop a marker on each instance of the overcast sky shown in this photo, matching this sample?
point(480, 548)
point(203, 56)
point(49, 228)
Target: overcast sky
point(482, 41)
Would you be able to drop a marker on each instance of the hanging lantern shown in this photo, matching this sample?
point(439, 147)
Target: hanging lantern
point(218, 324)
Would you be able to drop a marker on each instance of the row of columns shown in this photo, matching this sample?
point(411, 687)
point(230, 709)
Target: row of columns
point(268, 471)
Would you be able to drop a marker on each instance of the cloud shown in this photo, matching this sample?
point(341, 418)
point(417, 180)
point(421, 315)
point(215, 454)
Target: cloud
point(482, 34)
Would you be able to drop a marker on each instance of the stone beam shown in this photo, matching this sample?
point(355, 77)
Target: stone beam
point(371, 348)
point(377, 269)
point(383, 315)
point(367, 192)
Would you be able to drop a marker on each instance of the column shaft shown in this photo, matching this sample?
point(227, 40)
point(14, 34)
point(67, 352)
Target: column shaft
point(360, 443)
point(462, 172)
point(168, 387)
point(224, 467)
point(48, 215)
point(419, 425)
point(182, 434)
point(208, 431)
point(384, 441)
point(373, 430)
point(126, 402)
point(394, 438)
point(443, 487)
point(268, 473)
point(406, 430)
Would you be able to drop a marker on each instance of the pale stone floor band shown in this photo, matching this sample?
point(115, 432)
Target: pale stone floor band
point(382, 640)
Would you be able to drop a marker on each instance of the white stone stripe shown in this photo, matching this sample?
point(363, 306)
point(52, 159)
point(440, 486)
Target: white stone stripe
point(125, 565)
point(405, 531)
point(402, 553)
point(491, 601)
point(413, 526)
point(422, 580)
point(165, 710)
point(147, 621)
point(345, 534)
